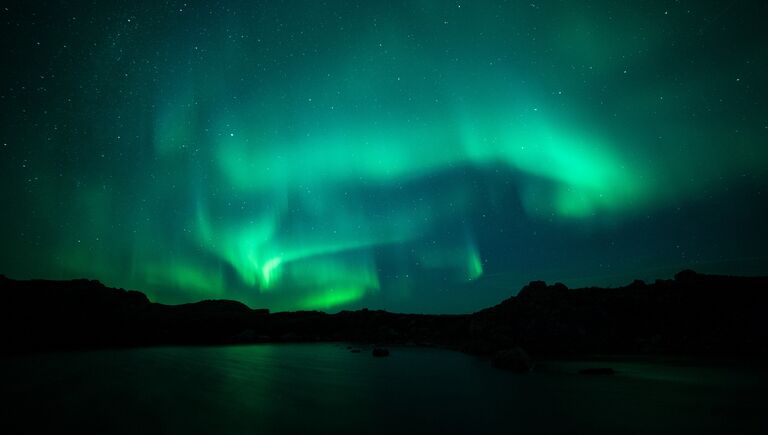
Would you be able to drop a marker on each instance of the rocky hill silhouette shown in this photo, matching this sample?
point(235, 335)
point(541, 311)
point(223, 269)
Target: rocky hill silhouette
point(691, 314)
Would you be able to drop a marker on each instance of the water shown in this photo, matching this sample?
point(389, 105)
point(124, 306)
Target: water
point(323, 388)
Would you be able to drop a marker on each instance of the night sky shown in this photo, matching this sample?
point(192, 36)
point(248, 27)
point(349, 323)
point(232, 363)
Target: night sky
point(417, 156)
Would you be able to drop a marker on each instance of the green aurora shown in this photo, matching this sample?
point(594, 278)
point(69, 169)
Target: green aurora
point(425, 156)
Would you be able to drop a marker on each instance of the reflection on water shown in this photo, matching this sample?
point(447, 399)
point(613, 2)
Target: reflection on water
point(311, 388)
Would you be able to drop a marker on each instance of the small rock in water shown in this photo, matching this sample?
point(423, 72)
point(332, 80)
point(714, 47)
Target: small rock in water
point(515, 360)
point(597, 371)
point(380, 351)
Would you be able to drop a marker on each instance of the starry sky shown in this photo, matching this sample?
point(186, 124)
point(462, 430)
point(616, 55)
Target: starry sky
point(417, 156)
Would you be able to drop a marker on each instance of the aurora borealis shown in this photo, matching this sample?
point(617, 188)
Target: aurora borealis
point(421, 156)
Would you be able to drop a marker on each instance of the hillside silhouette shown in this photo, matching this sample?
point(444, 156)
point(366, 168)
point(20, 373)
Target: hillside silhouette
point(690, 314)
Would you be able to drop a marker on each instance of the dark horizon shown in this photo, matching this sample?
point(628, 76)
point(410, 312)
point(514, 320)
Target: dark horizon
point(691, 314)
point(510, 294)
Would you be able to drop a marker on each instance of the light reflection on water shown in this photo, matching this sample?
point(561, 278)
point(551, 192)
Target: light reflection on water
point(304, 388)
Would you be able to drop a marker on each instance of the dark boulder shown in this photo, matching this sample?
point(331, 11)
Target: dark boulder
point(380, 351)
point(515, 360)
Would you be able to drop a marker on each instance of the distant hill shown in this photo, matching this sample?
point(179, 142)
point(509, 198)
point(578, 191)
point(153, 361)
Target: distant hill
point(691, 314)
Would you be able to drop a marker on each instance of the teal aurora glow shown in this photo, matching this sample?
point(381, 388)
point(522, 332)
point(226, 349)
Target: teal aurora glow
point(423, 155)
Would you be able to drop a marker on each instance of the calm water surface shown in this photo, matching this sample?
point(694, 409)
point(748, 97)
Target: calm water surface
point(323, 388)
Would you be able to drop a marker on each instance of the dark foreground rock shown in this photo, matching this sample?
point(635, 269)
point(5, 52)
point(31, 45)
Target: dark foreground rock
point(691, 314)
